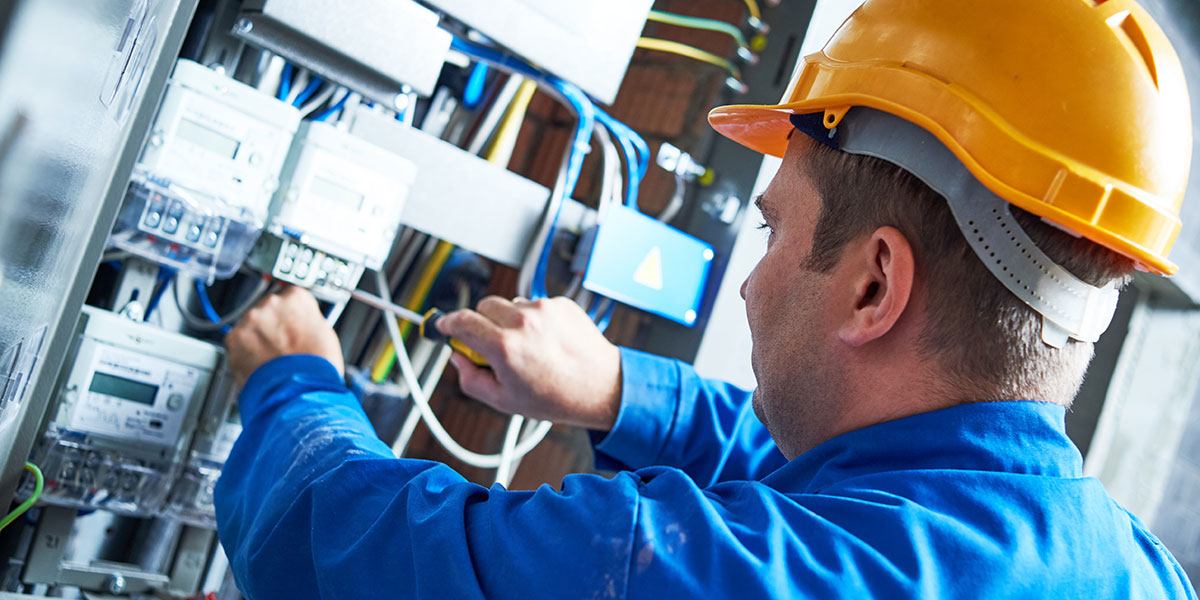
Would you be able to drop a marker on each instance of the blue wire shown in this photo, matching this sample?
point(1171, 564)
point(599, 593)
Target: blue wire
point(161, 281)
point(476, 81)
point(285, 82)
point(332, 110)
point(206, 304)
point(314, 84)
point(637, 154)
point(585, 113)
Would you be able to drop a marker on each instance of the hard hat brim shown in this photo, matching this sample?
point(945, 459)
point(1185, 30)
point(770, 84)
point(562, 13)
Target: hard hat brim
point(763, 128)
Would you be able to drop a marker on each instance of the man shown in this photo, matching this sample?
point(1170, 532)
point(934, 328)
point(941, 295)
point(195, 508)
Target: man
point(916, 342)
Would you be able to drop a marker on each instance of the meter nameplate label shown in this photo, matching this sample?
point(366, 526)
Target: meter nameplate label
point(133, 396)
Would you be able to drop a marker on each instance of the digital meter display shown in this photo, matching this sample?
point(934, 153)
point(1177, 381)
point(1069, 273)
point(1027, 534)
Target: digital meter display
point(125, 389)
point(207, 138)
point(339, 195)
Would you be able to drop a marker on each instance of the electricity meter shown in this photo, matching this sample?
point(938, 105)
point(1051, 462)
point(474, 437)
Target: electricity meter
point(337, 211)
point(128, 399)
point(191, 499)
point(202, 186)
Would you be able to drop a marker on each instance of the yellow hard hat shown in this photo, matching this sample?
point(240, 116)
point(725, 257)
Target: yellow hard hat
point(1074, 110)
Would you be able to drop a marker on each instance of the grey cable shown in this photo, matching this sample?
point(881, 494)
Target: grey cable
point(202, 324)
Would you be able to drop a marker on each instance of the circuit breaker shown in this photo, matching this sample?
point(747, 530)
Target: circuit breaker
point(338, 212)
point(200, 192)
point(128, 399)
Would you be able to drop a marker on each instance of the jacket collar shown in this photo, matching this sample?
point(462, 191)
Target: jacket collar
point(1022, 437)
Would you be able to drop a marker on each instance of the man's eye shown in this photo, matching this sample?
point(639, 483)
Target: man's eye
point(763, 225)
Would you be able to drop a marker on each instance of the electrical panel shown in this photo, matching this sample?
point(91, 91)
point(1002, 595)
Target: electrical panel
point(301, 142)
point(205, 178)
point(337, 213)
point(128, 400)
point(376, 46)
point(586, 42)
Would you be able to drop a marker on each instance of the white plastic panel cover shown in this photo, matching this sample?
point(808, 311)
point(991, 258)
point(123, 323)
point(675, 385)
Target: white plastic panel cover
point(586, 42)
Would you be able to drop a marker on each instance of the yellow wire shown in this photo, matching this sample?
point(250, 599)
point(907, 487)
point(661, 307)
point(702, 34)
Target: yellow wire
point(498, 153)
point(506, 136)
point(752, 6)
point(691, 52)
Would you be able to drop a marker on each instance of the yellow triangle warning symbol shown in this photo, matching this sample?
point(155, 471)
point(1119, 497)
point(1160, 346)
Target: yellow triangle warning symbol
point(649, 272)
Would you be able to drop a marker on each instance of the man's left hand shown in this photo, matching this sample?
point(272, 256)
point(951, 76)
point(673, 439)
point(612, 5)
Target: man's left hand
point(288, 322)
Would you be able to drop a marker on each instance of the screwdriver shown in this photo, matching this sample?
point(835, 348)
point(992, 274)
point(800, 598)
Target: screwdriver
point(426, 324)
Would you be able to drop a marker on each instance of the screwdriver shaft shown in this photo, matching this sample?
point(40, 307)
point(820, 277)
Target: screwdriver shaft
point(379, 303)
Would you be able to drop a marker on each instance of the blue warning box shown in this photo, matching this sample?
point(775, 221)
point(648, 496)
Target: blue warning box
point(637, 260)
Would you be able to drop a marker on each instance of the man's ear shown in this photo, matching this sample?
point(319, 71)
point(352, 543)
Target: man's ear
point(882, 270)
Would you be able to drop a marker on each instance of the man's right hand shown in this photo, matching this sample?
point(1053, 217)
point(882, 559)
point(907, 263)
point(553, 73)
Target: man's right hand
point(548, 361)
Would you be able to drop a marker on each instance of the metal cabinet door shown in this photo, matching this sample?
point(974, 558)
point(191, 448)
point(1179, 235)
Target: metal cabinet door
point(77, 79)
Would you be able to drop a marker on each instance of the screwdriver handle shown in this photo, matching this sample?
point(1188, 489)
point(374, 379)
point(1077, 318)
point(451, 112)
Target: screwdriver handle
point(430, 332)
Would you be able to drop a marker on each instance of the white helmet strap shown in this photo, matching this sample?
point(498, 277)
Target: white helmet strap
point(1070, 307)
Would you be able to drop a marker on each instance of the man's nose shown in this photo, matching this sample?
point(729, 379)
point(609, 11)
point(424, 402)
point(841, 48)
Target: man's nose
point(743, 288)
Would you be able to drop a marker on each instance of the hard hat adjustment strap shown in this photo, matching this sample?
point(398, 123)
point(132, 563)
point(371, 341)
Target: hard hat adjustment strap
point(1070, 308)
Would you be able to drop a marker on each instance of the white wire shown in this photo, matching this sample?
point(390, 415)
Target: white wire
point(421, 400)
point(414, 416)
point(298, 84)
point(431, 381)
point(318, 99)
point(508, 466)
point(491, 119)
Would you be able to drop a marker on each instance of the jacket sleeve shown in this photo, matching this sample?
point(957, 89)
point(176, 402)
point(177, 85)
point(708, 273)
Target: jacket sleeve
point(312, 505)
point(670, 416)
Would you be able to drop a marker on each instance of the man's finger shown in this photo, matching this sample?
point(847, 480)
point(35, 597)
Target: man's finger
point(476, 382)
point(503, 312)
point(475, 330)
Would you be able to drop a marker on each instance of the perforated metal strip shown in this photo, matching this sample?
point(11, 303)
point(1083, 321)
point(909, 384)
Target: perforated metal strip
point(1070, 307)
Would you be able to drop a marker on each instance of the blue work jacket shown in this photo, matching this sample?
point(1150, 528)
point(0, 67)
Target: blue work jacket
point(977, 501)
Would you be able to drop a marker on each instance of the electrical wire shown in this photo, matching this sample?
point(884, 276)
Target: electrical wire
point(334, 109)
point(206, 304)
point(39, 483)
point(314, 83)
point(164, 278)
point(495, 114)
point(207, 323)
point(318, 100)
point(298, 84)
point(509, 125)
point(432, 378)
point(532, 277)
point(636, 151)
point(414, 415)
point(476, 83)
point(285, 81)
point(673, 207)
point(673, 47)
point(754, 10)
point(475, 459)
point(382, 368)
point(701, 23)
point(505, 139)
point(507, 467)
point(610, 180)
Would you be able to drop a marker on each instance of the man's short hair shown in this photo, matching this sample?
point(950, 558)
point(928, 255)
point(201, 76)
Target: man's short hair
point(984, 337)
